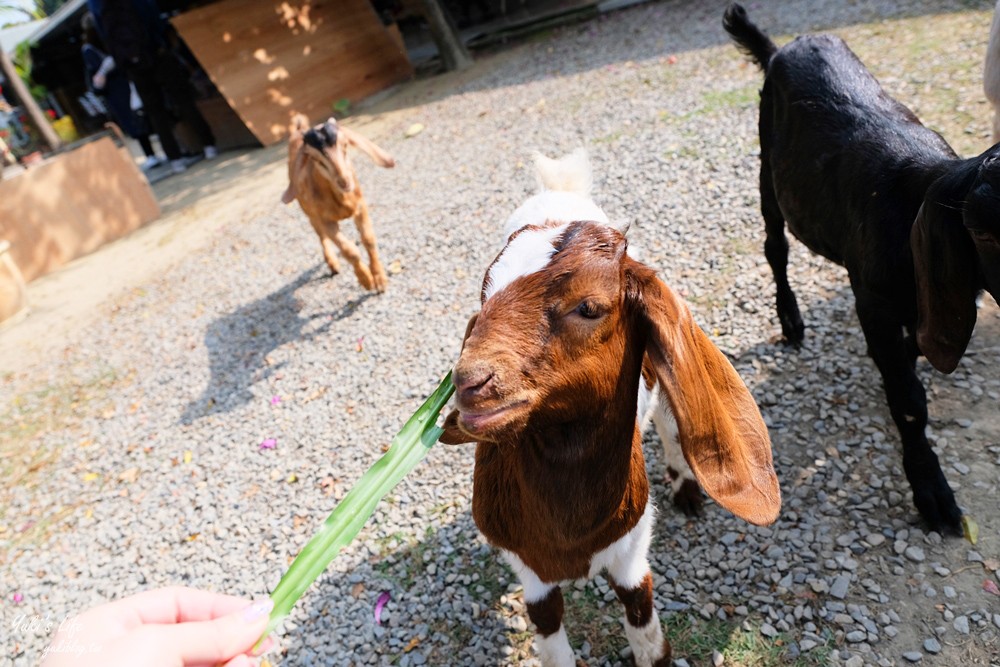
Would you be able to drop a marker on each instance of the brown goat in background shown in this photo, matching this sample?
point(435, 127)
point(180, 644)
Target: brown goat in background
point(321, 178)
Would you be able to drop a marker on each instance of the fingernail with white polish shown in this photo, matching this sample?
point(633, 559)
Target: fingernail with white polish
point(258, 609)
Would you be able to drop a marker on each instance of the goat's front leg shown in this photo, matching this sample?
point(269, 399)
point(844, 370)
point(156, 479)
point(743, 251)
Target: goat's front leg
point(367, 233)
point(545, 609)
point(326, 241)
point(642, 624)
point(776, 251)
point(351, 253)
point(907, 400)
point(629, 574)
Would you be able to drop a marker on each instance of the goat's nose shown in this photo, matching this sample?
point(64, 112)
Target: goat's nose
point(473, 382)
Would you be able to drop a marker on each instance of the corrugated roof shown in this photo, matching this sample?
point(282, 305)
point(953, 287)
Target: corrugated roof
point(56, 19)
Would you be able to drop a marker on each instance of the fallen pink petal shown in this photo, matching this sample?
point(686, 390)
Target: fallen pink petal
point(18, 598)
point(270, 443)
point(990, 587)
point(382, 599)
point(275, 400)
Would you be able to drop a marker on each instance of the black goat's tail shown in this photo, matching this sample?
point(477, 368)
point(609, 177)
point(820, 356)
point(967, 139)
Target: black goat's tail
point(748, 37)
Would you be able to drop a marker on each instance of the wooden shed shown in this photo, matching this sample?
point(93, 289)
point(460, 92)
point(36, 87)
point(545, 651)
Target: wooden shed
point(271, 59)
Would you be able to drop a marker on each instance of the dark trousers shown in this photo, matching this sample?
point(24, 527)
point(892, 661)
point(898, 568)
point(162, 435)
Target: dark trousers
point(163, 85)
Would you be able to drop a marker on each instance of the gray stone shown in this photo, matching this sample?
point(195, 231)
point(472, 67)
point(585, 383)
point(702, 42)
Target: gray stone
point(840, 586)
point(932, 645)
point(875, 539)
point(913, 656)
point(961, 624)
point(914, 553)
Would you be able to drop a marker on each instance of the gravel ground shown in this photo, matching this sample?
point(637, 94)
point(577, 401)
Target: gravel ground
point(133, 452)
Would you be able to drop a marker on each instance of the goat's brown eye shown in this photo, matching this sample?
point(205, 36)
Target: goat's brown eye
point(588, 310)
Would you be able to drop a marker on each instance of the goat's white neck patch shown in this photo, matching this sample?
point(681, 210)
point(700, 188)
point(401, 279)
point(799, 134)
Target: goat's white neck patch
point(528, 252)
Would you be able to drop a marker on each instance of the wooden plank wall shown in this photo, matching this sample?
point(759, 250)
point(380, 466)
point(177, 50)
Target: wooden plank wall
point(72, 204)
point(273, 59)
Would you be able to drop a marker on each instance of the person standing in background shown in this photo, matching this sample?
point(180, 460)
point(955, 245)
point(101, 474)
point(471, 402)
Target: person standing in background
point(111, 84)
point(136, 38)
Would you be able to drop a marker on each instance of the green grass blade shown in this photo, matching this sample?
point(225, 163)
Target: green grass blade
point(409, 446)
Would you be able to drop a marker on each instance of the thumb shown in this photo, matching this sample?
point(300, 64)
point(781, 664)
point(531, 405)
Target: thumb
point(217, 640)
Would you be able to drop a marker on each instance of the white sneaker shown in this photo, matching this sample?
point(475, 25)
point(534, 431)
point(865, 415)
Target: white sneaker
point(178, 166)
point(152, 163)
point(211, 152)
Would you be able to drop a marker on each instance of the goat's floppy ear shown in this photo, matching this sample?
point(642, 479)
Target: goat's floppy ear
point(295, 158)
point(722, 434)
point(945, 264)
point(363, 144)
point(453, 435)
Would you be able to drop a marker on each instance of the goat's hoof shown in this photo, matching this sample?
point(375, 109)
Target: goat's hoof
point(794, 337)
point(334, 271)
point(792, 329)
point(665, 660)
point(381, 282)
point(938, 509)
point(688, 499)
point(365, 279)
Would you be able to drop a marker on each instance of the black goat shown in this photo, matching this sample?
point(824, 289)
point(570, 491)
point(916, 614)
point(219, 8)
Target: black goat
point(860, 181)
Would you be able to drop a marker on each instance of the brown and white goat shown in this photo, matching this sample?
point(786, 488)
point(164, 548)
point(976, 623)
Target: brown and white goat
point(321, 178)
point(552, 375)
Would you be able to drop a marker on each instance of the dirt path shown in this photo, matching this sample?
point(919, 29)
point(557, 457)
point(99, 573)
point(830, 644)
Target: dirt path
point(195, 206)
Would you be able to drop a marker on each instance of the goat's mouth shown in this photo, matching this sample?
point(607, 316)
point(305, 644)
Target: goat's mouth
point(328, 165)
point(478, 422)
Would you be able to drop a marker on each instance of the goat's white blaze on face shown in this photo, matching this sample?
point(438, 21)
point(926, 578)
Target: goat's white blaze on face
point(550, 322)
point(529, 251)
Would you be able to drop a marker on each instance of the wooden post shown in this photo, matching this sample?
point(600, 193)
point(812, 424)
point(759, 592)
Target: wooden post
point(38, 118)
point(449, 42)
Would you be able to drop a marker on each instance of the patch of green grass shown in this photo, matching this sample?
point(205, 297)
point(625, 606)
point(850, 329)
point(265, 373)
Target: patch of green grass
point(411, 558)
point(50, 408)
point(695, 639)
point(584, 622)
point(740, 246)
point(608, 138)
point(25, 456)
point(707, 299)
point(716, 101)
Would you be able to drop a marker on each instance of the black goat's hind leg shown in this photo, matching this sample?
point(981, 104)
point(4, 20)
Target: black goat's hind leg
point(776, 251)
point(907, 400)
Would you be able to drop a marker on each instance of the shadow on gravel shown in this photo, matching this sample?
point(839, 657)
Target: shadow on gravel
point(445, 588)
point(239, 343)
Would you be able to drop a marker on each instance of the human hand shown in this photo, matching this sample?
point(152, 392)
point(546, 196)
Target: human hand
point(165, 627)
point(99, 80)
